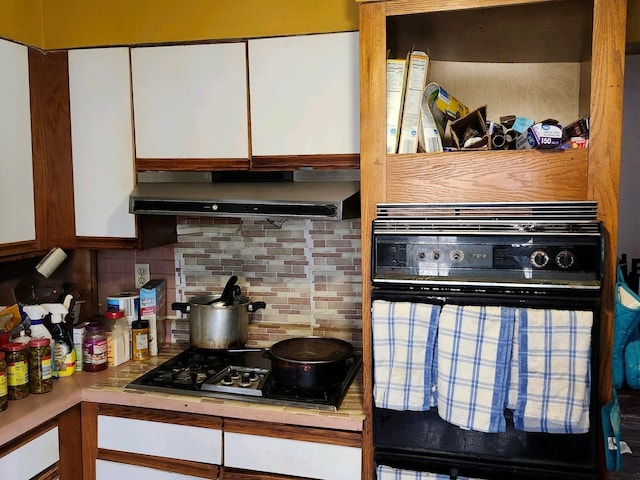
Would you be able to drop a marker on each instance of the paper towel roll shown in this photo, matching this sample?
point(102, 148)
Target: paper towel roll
point(51, 262)
point(128, 302)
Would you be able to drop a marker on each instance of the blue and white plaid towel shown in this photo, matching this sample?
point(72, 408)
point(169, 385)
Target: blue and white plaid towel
point(404, 336)
point(384, 472)
point(514, 372)
point(474, 354)
point(554, 364)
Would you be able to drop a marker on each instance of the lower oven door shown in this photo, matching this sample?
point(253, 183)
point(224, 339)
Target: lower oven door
point(422, 441)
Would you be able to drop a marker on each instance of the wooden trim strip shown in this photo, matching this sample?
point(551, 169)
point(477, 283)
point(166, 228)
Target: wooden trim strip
point(162, 416)
point(173, 465)
point(309, 434)
point(191, 164)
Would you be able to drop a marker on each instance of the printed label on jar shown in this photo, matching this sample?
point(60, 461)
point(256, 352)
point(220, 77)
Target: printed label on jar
point(46, 367)
point(142, 341)
point(3, 385)
point(95, 352)
point(17, 373)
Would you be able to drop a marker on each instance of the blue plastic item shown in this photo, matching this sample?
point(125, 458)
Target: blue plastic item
point(632, 362)
point(626, 317)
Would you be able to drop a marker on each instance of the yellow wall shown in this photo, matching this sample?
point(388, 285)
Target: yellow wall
point(82, 23)
point(59, 24)
point(21, 20)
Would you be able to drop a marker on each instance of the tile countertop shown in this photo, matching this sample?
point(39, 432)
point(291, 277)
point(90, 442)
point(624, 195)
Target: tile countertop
point(109, 387)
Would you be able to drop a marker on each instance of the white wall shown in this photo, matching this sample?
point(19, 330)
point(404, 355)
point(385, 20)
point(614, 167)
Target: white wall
point(629, 227)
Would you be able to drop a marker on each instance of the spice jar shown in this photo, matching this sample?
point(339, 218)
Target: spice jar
point(17, 370)
point(94, 348)
point(40, 377)
point(4, 393)
point(140, 339)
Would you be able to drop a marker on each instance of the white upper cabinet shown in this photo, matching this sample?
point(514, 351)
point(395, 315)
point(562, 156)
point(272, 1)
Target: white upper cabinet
point(17, 208)
point(190, 101)
point(102, 141)
point(305, 96)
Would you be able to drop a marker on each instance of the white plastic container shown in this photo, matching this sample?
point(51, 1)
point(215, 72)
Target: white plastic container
point(116, 329)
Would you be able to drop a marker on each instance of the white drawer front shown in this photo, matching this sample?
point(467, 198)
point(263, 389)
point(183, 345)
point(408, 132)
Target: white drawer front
point(32, 458)
point(292, 457)
point(111, 470)
point(160, 439)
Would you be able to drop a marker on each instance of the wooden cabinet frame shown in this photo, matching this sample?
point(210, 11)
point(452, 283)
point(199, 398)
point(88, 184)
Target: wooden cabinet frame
point(592, 174)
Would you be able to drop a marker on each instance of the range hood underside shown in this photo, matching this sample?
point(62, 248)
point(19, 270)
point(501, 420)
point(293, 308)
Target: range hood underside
point(332, 200)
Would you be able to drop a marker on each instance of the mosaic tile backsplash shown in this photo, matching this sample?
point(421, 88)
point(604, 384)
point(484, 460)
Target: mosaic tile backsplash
point(308, 272)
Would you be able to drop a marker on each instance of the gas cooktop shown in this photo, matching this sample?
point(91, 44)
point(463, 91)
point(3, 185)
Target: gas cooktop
point(242, 374)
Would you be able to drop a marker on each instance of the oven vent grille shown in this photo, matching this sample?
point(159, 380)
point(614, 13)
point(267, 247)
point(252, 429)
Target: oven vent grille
point(510, 217)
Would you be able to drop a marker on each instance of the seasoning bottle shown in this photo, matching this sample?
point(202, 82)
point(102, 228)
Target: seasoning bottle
point(17, 370)
point(140, 339)
point(4, 393)
point(40, 376)
point(94, 348)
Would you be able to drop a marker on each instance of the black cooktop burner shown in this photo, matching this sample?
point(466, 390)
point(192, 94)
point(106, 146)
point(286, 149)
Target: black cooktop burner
point(242, 374)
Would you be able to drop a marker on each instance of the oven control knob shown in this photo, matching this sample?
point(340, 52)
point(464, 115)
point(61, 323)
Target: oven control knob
point(539, 259)
point(565, 259)
point(456, 255)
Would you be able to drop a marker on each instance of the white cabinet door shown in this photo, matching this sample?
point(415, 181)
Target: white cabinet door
point(292, 457)
point(17, 210)
point(190, 101)
point(305, 95)
point(102, 142)
point(112, 470)
point(31, 458)
point(145, 437)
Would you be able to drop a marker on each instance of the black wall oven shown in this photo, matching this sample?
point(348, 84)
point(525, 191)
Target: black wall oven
point(485, 323)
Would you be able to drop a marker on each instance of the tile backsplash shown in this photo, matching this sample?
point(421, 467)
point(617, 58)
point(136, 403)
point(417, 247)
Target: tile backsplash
point(308, 272)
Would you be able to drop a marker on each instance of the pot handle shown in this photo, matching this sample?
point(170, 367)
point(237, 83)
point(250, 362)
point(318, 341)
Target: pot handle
point(253, 306)
point(181, 307)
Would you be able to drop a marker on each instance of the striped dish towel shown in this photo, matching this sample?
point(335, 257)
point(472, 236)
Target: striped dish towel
point(404, 336)
point(384, 472)
point(554, 371)
point(514, 371)
point(474, 354)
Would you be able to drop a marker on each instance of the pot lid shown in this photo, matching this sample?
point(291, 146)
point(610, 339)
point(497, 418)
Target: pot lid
point(312, 350)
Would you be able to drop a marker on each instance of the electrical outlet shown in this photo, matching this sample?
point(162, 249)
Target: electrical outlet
point(142, 274)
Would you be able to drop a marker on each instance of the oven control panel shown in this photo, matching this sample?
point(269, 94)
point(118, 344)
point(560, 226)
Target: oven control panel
point(521, 258)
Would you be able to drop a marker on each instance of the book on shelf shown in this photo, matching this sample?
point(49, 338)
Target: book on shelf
point(417, 71)
point(396, 76)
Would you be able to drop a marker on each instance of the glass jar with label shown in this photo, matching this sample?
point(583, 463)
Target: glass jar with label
point(4, 393)
point(17, 370)
point(94, 348)
point(40, 375)
point(140, 339)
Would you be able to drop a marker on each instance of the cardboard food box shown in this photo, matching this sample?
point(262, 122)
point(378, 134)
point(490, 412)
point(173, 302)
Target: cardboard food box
point(470, 131)
point(579, 128)
point(445, 108)
point(153, 307)
point(541, 135)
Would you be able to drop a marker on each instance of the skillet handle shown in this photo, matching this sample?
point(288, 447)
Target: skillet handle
point(181, 307)
point(253, 306)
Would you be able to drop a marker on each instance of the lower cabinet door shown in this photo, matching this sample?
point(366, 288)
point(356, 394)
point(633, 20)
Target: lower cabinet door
point(32, 458)
point(106, 470)
point(284, 456)
point(184, 442)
